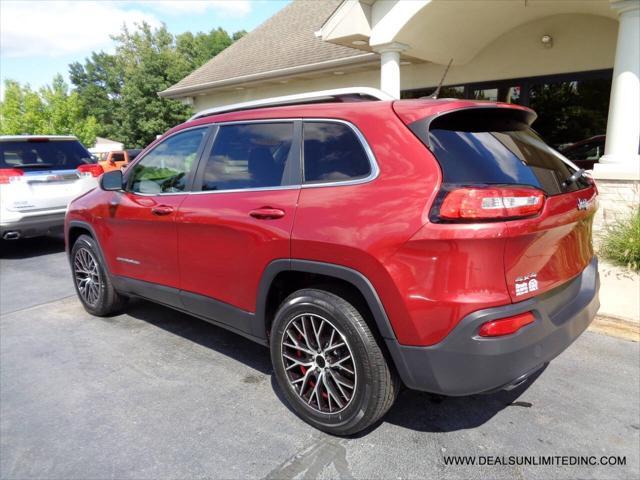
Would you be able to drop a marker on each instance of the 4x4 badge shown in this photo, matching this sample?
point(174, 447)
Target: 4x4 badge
point(583, 203)
point(526, 284)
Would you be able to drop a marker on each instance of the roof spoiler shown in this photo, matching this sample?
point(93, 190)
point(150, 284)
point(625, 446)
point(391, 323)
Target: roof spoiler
point(351, 94)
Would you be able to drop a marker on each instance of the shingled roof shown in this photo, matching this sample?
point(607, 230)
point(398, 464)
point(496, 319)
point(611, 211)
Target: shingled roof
point(285, 41)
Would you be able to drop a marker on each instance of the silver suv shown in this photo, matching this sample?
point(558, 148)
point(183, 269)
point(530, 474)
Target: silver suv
point(39, 176)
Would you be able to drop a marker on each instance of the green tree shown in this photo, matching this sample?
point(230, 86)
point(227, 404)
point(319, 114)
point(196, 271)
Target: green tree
point(53, 110)
point(98, 83)
point(21, 111)
point(150, 63)
point(200, 48)
point(120, 90)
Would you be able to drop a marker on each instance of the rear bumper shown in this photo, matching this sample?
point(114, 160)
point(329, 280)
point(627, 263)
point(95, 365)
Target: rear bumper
point(34, 225)
point(464, 363)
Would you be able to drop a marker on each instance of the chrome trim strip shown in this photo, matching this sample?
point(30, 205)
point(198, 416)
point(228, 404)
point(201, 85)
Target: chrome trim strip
point(128, 260)
point(258, 120)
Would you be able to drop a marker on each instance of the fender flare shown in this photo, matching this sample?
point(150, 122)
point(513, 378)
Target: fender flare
point(347, 274)
point(88, 227)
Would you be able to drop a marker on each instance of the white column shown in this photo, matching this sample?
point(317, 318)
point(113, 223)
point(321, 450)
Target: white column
point(390, 67)
point(621, 159)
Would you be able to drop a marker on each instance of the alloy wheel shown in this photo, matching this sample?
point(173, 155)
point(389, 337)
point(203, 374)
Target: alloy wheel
point(319, 363)
point(85, 268)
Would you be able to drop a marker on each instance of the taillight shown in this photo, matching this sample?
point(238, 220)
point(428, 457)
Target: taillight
point(592, 182)
point(90, 170)
point(491, 203)
point(506, 326)
point(8, 175)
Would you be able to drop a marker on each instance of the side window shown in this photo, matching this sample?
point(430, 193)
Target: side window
point(332, 152)
point(252, 155)
point(165, 168)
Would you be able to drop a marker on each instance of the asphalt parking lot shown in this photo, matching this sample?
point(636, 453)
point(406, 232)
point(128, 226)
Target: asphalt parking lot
point(157, 394)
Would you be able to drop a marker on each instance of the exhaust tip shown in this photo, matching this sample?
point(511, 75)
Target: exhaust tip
point(11, 235)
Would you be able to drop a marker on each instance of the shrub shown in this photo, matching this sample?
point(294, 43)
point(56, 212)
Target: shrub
point(621, 242)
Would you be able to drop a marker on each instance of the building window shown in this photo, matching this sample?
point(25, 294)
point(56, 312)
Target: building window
point(572, 110)
point(571, 107)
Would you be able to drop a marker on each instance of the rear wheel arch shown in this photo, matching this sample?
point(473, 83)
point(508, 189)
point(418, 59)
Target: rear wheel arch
point(283, 277)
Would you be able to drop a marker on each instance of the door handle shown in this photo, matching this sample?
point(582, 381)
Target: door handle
point(267, 213)
point(161, 210)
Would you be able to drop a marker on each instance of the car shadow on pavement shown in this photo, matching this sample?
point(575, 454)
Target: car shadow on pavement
point(31, 247)
point(426, 412)
point(420, 411)
point(203, 333)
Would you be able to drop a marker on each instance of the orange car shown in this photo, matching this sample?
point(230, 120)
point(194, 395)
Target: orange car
point(117, 160)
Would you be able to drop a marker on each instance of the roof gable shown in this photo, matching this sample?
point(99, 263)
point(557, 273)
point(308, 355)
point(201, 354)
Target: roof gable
point(285, 40)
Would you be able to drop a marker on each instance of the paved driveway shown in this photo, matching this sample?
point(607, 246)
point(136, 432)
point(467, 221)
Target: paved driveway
point(157, 394)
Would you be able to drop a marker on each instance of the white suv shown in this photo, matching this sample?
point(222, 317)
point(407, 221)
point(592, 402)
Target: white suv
point(39, 176)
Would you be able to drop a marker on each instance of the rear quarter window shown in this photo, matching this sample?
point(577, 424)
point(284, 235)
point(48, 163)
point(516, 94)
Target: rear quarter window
point(333, 153)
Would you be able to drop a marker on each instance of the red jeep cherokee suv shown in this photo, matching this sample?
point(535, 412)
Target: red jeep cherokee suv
point(439, 244)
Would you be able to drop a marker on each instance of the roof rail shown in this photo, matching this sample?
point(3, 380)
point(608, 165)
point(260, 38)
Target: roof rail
point(336, 95)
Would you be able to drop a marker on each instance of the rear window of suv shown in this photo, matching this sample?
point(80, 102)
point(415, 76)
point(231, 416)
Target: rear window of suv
point(495, 146)
point(43, 154)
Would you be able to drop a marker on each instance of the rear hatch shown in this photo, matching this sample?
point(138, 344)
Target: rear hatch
point(495, 168)
point(40, 174)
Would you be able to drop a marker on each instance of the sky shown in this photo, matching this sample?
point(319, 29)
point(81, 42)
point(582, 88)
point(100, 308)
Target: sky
point(41, 38)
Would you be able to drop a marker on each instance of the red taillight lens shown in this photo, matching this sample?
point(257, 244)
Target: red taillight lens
point(491, 203)
point(8, 175)
point(90, 170)
point(592, 182)
point(506, 326)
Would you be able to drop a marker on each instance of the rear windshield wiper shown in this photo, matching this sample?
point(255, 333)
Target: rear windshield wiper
point(574, 177)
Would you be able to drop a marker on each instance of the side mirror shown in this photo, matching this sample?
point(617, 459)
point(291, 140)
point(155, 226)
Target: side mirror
point(112, 181)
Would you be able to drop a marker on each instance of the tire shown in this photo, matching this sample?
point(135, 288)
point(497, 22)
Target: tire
point(328, 403)
point(91, 281)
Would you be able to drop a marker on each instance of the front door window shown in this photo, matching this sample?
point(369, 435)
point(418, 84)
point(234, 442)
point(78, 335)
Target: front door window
point(166, 168)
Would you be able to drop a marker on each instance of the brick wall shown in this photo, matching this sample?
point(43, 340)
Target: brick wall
point(617, 199)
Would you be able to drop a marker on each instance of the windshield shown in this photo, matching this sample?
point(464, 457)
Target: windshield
point(43, 154)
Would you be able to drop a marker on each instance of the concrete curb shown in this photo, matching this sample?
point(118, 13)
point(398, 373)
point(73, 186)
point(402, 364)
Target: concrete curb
point(616, 327)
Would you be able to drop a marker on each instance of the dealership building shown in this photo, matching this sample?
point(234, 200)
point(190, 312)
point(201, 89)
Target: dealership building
point(577, 63)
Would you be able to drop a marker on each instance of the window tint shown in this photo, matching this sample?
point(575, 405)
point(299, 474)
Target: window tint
point(508, 157)
point(332, 152)
point(165, 168)
point(494, 146)
point(43, 154)
point(248, 156)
